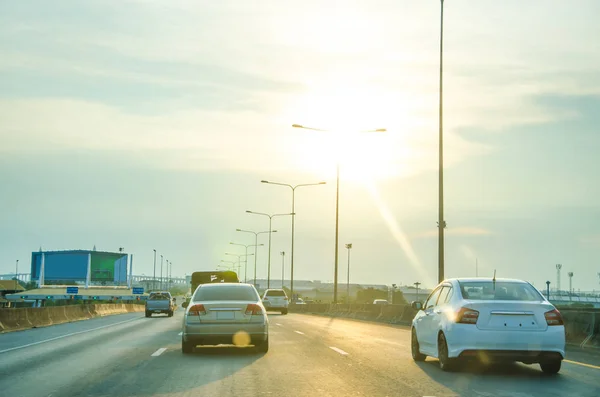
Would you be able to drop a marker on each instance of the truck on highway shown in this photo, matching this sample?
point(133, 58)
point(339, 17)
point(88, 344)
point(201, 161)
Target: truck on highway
point(159, 302)
point(205, 277)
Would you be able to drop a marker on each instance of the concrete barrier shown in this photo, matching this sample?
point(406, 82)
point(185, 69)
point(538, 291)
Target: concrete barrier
point(14, 319)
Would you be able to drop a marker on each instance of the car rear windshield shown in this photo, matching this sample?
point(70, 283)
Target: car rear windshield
point(159, 297)
point(500, 290)
point(220, 292)
point(276, 292)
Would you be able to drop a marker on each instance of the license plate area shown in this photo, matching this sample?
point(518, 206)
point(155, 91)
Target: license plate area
point(222, 315)
point(513, 322)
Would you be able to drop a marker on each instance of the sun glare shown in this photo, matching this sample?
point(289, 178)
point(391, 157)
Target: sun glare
point(349, 117)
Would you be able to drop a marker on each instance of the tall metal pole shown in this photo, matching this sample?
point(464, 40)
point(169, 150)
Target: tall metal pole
point(161, 267)
point(282, 268)
point(246, 266)
point(348, 247)
point(255, 254)
point(16, 275)
point(154, 278)
point(292, 259)
point(441, 222)
point(337, 229)
point(269, 260)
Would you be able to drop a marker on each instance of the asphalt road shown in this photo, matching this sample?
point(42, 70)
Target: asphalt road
point(129, 355)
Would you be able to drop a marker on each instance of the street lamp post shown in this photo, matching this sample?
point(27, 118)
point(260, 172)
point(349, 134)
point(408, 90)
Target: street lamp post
point(16, 275)
point(417, 285)
point(441, 221)
point(154, 277)
point(161, 268)
point(283, 269)
point(548, 290)
point(348, 247)
point(270, 232)
point(293, 188)
point(255, 245)
point(337, 209)
point(246, 260)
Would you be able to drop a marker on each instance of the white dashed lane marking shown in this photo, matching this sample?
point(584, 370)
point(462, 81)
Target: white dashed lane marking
point(335, 349)
point(298, 332)
point(159, 352)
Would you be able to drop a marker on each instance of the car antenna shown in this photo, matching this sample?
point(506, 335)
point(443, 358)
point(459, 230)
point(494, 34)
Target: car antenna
point(494, 280)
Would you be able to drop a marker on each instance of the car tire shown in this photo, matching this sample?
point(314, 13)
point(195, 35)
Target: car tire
point(446, 364)
point(551, 367)
point(186, 347)
point(414, 347)
point(170, 314)
point(284, 311)
point(263, 346)
point(148, 314)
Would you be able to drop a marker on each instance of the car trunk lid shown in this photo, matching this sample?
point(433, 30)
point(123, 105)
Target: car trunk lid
point(224, 312)
point(510, 315)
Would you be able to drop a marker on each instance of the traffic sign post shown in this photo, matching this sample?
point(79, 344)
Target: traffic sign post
point(138, 291)
point(73, 290)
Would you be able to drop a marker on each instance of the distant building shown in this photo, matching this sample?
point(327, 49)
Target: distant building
point(64, 266)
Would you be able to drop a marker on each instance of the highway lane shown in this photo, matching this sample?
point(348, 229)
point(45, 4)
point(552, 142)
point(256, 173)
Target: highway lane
point(309, 356)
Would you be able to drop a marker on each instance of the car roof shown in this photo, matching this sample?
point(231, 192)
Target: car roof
point(475, 279)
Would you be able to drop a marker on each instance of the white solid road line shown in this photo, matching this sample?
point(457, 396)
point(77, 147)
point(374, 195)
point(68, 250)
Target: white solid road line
point(335, 349)
point(179, 334)
point(278, 324)
point(298, 332)
point(67, 335)
point(159, 352)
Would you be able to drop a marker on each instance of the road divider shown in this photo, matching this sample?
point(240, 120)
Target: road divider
point(15, 319)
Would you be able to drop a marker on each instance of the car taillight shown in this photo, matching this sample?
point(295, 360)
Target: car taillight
point(197, 310)
point(467, 316)
point(253, 308)
point(553, 317)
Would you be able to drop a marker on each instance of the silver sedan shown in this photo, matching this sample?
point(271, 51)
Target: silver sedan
point(225, 313)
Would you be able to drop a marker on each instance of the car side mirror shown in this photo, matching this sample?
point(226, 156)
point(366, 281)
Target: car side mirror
point(417, 306)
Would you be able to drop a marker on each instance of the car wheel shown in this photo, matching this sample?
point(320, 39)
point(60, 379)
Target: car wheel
point(170, 314)
point(148, 314)
point(186, 347)
point(284, 311)
point(446, 363)
point(414, 347)
point(551, 367)
point(263, 346)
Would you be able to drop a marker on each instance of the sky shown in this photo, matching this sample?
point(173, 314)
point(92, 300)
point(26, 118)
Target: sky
point(149, 124)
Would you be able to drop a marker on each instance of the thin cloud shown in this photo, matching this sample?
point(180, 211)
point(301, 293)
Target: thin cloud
point(459, 231)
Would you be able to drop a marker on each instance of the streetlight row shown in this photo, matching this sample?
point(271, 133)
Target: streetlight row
point(169, 273)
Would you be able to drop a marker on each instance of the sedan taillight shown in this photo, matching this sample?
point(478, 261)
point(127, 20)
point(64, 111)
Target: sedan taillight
point(197, 310)
point(553, 317)
point(253, 309)
point(467, 316)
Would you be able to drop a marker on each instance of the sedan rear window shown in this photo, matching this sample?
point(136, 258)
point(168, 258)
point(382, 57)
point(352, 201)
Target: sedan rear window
point(276, 292)
point(500, 290)
point(221, 292)
point(159, 297)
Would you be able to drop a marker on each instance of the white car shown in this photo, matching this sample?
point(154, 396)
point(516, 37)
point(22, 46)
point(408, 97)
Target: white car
point(488, 319)
point(276, 300)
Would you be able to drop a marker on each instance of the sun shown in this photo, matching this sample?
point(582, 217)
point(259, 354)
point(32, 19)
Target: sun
point(349, 117)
